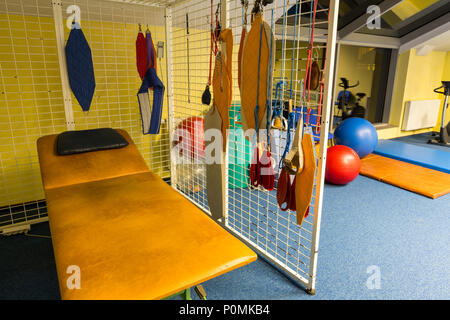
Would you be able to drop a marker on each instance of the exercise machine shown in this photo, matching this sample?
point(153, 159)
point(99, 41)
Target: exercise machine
point(443, 137)
point(348, 103)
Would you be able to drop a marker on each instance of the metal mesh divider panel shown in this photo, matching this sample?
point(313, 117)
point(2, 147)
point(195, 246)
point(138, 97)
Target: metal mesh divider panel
point(32, 93)
point(31, 105)
point(253, 214)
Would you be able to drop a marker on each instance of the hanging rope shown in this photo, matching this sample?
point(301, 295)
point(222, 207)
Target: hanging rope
point(243, 36)
point(291, 116)
point(269, 89)
point(206, 96)
point(267, 172)
point(279, 90)
point(255, 167)
point(312, 21)
point(277, 108)
point(322, 86)
point(257, 87)
point(293, 51)
point(212, 46)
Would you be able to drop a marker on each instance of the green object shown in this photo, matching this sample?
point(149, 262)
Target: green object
point(185, 295)
point(239, 155)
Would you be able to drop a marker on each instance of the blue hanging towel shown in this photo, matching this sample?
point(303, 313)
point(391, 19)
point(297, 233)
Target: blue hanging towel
point(151, 117)
point(80, 67)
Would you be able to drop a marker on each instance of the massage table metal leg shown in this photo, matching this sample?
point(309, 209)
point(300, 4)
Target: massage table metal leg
point(185, 295)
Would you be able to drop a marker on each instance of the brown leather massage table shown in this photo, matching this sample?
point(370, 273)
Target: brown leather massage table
point(131, 235)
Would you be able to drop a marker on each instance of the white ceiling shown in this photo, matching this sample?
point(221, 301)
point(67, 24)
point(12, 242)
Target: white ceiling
point(438, 43)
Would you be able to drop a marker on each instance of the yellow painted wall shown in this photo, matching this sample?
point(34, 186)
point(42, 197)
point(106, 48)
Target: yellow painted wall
point(416, 78)
point(356, 64)
point(445, 77)
point(398, 96)
point(192, 68)
point(31, 100)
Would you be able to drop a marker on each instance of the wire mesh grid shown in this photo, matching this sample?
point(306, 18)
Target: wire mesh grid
point(111, 29)
point(153, 3)
point(32, 95)
point(31, 105)
point(190, 63)
point(254, 214)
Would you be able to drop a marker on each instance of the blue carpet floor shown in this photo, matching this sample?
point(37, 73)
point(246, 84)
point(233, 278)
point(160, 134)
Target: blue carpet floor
point(364, 224)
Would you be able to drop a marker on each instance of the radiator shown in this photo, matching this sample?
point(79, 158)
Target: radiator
point(421, 114)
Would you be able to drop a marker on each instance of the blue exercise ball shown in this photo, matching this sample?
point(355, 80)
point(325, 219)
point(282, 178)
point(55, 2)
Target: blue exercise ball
point(358, 134)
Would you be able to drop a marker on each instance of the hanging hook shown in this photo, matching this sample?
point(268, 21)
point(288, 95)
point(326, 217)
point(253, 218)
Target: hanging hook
point(140, 27)
point(316, 54)
point(147, 29)
point(245, 5)
point(218, 25)
point(258, 8)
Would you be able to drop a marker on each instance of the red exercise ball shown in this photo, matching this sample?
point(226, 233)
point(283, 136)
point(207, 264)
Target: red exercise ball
point(343, 165)
point(189, 138)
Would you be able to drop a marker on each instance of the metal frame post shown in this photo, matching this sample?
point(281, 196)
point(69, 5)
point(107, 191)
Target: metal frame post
point(225, 22)
point(169, 90)
point(60, 43)
point(329, 75)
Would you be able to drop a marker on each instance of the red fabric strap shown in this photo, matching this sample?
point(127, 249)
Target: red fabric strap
point(141, 54)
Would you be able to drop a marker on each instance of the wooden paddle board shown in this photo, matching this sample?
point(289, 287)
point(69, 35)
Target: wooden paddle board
point(226, 38)
point(221, 82)
point(314, 76)
point(305, 179)
point(249, 73)
point(214, 176)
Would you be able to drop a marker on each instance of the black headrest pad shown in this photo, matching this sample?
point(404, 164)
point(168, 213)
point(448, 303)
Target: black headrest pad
point(73, 142)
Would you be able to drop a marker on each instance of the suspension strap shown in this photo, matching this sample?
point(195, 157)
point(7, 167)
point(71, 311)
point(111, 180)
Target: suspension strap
point(269, 87)
point(291, 117)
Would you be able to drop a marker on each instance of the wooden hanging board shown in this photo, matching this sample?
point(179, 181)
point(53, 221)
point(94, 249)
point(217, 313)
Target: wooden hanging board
point(221, 82)
point(214, 176)
point(305, 179)
point(249, 73)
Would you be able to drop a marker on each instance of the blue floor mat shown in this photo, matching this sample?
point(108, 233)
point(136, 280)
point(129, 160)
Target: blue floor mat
point(422, 156)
